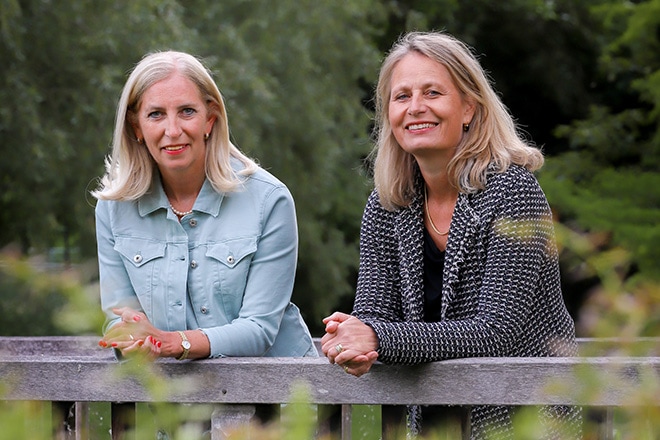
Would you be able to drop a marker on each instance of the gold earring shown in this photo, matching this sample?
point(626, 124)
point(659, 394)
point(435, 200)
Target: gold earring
point(466, 127)
point(139, 140)
point(206, 136)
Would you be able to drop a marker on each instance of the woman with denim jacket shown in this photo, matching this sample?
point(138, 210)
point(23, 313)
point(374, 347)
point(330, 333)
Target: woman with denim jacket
point(197, 244)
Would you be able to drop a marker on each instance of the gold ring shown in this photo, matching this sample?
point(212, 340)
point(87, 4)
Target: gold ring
point(346, 368)
point(339, 348)
point(132, 338)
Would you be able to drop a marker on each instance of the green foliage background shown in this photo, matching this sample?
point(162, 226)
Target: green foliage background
point(583, 79)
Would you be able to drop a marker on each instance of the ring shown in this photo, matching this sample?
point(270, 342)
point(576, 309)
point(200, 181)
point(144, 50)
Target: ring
point(132, 338)
point(339, 348)
point(346, 368)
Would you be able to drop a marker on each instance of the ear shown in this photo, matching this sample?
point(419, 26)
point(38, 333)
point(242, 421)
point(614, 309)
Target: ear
point(137, 131)
point(470, 107)
point(210, 122)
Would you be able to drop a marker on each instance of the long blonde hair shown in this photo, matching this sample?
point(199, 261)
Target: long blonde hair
point(492, 142)
point(130, 167)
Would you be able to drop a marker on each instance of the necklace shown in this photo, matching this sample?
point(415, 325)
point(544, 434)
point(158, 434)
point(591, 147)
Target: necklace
point(428, 214)
point(180, 213)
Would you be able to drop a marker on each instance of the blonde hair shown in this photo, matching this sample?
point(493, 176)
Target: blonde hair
point(130, 167)
point(492, 142)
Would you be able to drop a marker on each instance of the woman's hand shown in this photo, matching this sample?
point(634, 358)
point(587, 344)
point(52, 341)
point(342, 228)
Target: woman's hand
point(350, 343)
point(133, 335)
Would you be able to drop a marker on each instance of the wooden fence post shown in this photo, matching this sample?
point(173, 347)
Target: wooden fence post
point(227, 418)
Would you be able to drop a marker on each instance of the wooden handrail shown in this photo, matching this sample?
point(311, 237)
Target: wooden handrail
point(75, 369)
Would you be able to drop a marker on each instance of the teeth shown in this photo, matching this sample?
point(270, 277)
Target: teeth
point(420, 126)
point(179, 147)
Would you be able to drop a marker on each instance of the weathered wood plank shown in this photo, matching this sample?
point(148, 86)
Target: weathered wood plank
point(75, 369)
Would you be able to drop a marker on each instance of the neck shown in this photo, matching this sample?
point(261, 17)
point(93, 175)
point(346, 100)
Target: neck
point(437, 184)
point(182, 191)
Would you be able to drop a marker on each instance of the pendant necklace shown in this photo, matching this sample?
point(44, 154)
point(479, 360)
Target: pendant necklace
point(428, 214)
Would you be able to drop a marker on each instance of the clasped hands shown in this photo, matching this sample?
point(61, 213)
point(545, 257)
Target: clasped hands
point(133, 335)
point(350, 343)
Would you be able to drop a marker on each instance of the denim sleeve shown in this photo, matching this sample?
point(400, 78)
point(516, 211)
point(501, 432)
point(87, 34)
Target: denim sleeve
point(115, 285)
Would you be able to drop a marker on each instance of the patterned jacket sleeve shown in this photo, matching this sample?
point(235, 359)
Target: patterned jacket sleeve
point(501, 294)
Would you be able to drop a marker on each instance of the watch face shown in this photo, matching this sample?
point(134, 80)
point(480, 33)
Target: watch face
point(185, 345)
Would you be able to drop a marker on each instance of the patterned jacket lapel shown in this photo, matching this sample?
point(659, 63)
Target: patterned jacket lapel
point(408, 227)
point(464, 225)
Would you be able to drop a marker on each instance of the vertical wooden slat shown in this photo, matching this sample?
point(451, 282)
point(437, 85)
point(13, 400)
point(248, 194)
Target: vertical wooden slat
point(123, 421)
point(607, 425)
point(346, 422)
point(228, 418)
point(81, 410)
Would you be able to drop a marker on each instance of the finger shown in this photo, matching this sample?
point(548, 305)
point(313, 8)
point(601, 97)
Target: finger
point(133, 347)
point(119, 310)
point(354, 357)
point(327, 338)
point(331, 326)
point(331, 349)
point(127, 314)
point(336, 316)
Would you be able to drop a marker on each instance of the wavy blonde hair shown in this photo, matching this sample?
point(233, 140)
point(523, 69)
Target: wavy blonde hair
point(130, 167)
point(492, 142)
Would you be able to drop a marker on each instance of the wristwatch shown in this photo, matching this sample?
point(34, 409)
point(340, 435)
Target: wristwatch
point(185, 344)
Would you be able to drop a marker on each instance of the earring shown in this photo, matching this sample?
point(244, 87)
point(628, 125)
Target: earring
point(206, 136)
point(466, 127)
point(139, 140)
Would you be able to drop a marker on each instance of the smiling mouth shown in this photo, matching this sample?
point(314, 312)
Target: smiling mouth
point(413, 127)
point(174, 148)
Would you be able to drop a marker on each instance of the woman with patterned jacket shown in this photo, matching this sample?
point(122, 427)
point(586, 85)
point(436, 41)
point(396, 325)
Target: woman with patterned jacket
point(457, 251)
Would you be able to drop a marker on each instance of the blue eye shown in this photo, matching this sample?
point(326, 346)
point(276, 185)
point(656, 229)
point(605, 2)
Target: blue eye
point(153, 114)
point(189, 111)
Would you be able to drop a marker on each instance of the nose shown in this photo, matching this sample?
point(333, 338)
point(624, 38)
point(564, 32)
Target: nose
point(173, 128)
point(416, 104)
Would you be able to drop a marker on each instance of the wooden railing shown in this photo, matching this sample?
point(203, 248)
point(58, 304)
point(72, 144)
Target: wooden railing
point(76, 371)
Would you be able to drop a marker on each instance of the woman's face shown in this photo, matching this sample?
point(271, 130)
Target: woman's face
point(426, 109)
point(173, 119)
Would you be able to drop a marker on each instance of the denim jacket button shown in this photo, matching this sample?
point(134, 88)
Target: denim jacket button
point(204, 310)
point(137, 258)
point(193, 264)
point(193, 222)
point(230, 259)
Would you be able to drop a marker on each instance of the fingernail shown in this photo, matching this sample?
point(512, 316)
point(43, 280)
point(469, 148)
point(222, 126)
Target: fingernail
point(136, 318)
point(158, 344)
point(140, 343)
point(114, 344)
point(102, 343)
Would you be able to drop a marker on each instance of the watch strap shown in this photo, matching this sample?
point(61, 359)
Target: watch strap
point(185, 344)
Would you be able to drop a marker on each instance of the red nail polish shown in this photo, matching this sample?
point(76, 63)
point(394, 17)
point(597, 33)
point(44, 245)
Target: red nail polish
point(158, 344)
point(102, 343)
point(140, 343)
point(136, 318)
point(114, 344)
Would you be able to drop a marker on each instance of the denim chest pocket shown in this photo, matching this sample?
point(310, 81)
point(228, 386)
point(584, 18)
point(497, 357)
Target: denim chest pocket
point(143, 262)
point(233, 260)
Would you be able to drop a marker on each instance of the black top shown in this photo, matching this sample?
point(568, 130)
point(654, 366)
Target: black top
point(434, 263)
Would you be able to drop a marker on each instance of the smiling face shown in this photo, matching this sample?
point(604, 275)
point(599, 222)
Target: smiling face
point(172, 120)
point(426, 109)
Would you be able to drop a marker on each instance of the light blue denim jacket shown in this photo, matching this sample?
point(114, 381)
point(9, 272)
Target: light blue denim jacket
point(228, 268)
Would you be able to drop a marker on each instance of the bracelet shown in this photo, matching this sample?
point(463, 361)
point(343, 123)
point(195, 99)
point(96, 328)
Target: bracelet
point(185, 344)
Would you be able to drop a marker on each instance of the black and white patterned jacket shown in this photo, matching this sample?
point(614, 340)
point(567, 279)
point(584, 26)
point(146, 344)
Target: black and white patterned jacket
point(501, 292)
